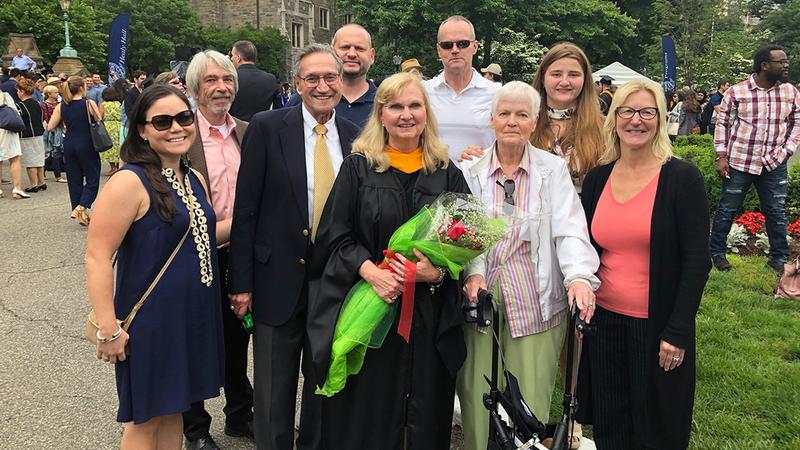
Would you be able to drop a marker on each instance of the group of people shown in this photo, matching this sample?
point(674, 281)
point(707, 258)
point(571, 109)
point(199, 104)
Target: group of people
point(695, 111)
point(214, 217)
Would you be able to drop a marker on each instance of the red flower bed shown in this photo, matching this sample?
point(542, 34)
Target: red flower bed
point(794, 229)
point(752, 221)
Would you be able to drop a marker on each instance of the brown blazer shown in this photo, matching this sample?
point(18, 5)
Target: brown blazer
point(197, 157)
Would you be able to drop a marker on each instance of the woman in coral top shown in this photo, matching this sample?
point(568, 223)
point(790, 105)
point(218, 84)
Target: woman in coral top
point(648, 219)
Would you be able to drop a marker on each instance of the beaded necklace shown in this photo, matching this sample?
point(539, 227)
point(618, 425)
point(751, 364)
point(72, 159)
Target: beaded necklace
point(197, 222)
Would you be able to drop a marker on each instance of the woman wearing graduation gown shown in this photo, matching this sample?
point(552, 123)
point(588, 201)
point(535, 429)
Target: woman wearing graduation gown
point(403, 396)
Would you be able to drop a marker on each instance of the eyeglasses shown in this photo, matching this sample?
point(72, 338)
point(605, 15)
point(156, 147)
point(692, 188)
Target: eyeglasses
point(780, 61)
point(447, 45)
point(508, 190)
point(163, 122)
point(313, 80)
point(646, 113)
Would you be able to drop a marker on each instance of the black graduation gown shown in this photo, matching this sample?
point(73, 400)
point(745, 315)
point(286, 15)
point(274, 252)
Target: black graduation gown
point(404, 392)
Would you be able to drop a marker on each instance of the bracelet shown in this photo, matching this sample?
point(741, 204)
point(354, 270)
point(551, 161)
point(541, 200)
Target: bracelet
point(720, 157)
point(438, 282)
point(113, 337)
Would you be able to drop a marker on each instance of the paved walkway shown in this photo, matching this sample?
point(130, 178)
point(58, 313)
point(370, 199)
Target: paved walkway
point(54, 392)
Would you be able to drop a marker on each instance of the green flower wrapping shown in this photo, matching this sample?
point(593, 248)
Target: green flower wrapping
point(451, 232)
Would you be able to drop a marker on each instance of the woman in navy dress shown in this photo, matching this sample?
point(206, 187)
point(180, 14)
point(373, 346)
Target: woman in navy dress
point(174, 345)
point(82, 161)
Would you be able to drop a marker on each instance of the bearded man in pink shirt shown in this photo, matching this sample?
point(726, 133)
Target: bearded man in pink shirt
point(216, 153)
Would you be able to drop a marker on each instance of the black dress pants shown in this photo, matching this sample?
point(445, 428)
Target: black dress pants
point(276, 364)
point(238, 390)
point(618, 353)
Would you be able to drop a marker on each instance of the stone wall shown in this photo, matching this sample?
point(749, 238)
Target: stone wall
point(280, 14)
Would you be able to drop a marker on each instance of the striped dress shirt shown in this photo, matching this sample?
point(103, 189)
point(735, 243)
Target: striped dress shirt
point(758, 128)
point(510, 267)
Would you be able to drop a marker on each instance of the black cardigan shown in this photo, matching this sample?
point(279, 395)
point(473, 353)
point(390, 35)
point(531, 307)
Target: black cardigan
point(679, 266)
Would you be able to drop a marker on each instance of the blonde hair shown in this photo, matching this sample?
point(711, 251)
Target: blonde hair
point(373, 138)
point(72, 87)
point(661, 146)
point(585, 132)
point(49, 89)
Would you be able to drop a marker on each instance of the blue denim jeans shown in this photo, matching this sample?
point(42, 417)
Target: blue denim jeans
point(771, 190)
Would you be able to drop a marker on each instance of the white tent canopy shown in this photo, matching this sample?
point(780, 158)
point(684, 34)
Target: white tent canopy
point(619, 72)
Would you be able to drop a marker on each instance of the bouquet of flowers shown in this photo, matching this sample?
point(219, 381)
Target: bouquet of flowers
point(451, 232)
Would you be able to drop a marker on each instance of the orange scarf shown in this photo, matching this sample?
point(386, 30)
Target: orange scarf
point(406, 162)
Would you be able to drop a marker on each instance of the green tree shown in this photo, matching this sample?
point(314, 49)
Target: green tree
point(273, 47)
point(597, 26)
point(156, 28)
point(518, 54)
point(711, 42)
point(408, 28)
point(44, 20)
point(780, 27)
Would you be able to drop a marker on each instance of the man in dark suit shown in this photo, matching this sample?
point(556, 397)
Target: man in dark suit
point(216, 154)
point(289, 159)
point(258, 90)
point(138, 78)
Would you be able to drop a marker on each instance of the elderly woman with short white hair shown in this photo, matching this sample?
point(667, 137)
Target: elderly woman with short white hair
point(535, 272)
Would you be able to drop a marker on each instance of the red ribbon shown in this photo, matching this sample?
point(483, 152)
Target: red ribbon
point(407, 309)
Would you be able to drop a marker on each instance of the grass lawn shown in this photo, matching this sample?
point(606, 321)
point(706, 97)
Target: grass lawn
point(748, 363)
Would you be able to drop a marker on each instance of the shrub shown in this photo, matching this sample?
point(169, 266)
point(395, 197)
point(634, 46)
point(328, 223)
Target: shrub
point(793, 192)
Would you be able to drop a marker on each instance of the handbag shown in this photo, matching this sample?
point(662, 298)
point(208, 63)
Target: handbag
point(101, 140)
point(92, 327)
point(10, 119)
point(789, 283)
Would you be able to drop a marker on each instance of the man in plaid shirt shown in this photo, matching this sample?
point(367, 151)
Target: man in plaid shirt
point(758, 129)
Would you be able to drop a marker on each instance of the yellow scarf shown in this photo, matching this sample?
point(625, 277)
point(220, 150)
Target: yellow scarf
point(406, 162)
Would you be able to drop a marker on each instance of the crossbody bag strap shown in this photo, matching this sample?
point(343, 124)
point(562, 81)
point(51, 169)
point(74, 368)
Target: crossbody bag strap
point(30, 118)
point(139, 304)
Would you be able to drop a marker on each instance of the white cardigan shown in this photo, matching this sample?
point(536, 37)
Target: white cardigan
point(555, 224)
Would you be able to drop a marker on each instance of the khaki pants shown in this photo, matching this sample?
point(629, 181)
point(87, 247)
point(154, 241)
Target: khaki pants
point(532, 359)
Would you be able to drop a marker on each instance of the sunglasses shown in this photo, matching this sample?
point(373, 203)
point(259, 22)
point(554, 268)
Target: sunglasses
point(163, 122)
point(462, 44)
point(508, 190)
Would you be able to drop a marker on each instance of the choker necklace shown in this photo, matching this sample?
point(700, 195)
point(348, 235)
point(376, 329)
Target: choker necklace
point(560, 114)
point(197, 222)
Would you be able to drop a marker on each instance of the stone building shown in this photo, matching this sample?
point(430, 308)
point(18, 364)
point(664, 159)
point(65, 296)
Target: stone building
point(302, 21)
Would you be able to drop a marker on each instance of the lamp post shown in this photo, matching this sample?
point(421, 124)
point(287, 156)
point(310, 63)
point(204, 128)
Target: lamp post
point(67, 50)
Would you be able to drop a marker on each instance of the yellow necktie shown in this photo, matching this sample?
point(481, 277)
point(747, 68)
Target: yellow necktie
point(323, 177)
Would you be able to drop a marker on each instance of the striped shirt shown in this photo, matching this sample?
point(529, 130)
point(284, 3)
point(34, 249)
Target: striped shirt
point(463, 118)
point(758, 128)
point(511, 268)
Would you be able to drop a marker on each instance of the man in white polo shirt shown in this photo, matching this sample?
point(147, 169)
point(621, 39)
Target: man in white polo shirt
point(460, 97)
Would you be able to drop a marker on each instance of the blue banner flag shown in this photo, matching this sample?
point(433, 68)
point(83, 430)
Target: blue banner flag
point(118, 47)
point(668, 46)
